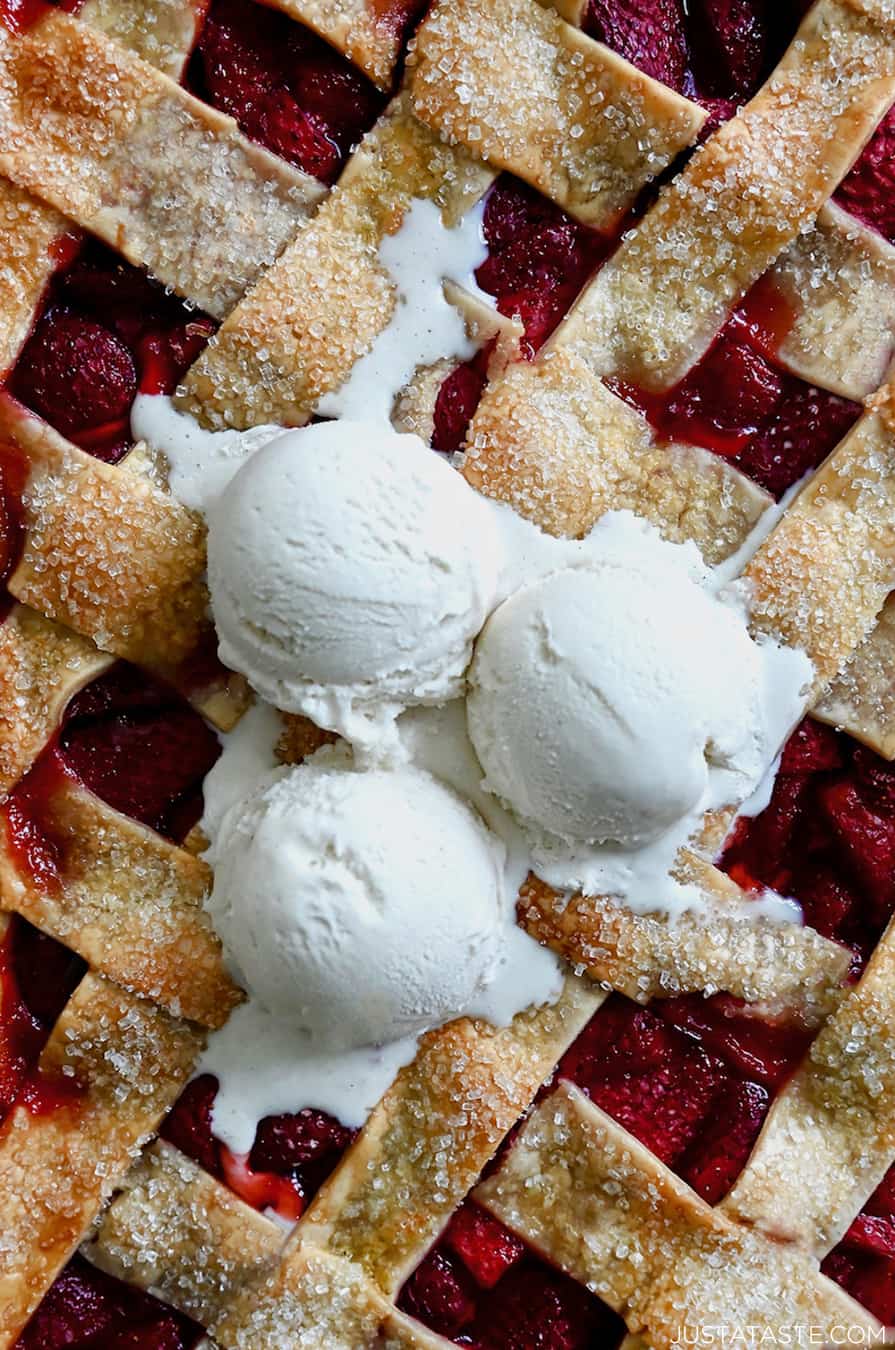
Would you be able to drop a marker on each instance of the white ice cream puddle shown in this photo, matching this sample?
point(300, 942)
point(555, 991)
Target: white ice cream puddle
point(419, 257)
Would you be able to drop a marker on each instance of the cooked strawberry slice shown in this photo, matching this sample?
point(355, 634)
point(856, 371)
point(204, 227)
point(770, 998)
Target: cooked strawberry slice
point(457, 400)
point(806, 425)
point(140, 747)
point(828, 902)
point(866, 842)
point(649, 1076)
point(812, 748)
point(46, 971)
point(485, 1247)
point(263, 1190)
point(725, 400)
point(75, 373)
point(537, 1308)
point(305, 1145)
point(86, 1307)
point(287, 88)
point(755, 1047)
point(188, 1124)
point(719, 1153)
point(763, 845)
point(869, 1279)
point(650, 35)
point(439, 1293)
point(730, 46)
point(869, 190)
point(872, 1233)
point(165, 356)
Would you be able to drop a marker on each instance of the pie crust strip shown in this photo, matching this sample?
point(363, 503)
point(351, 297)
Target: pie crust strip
point(523, 90)
point(368, 32)
point(430, 1136)
point(82, 524)
point(56, 1169)
point(32, 234)
point(822, 577)
point(861, 700)
point(597, 1203)
point(744, 197)
point(128, 901)
point(830, 1135)
point(123, 151)
point(839, 280)
point(299, 332)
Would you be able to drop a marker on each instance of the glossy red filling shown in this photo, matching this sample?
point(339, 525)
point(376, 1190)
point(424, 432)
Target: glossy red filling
point(37, 976)
point(864, 1261)
point(288, 89)
point(827, 838)
point(718, 52)
point(481, 1286)
point(739, 404)
point(869, 190)
point(92, 1311)
point(105, 332)
point(132, 741)
point(292, 1156)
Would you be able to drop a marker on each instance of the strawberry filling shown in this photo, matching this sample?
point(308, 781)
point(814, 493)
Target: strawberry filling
point(291, 1157)
point(87, 1309)
point(287, 88)
point(481, 1286)
point(132, 741)
point(105, 332)
point(718, 52)
point(869, 190)
point(827, 837)
point(37, 976)
point(739, 404)
point(864, 1261)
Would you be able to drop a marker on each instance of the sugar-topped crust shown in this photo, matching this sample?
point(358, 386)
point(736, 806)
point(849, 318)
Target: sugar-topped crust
point(595, 1201)
point(161, 32)
point(430, 1136)
point(29, 232)
point(744, 197)
point(525, 91)
point(861, 700)
point(297, 335)
point(176, 1230)
point(129, 902)
point(830, 1135)
point(75, 508)
point(822, 577)
point(782, 968)
point(554, 442)
point(169, 182)
point(839, 279)
point(57, 1168)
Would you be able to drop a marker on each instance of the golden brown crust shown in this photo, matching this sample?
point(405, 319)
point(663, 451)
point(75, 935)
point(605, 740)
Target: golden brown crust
point(118, 147)
point(429, 1138)
point(861, 700)
point(782, 968)
point(823, 575)
point(744, 197)
point(839, 279)
point(830, 1135)
point(298, 333)
point(129, 902)
point(29, 231)
point(518, 87)
point(83, 524)
point(161, 32)
point(595, 1201)
point(167, 1213)
point(57, 1168)
point(550, 439)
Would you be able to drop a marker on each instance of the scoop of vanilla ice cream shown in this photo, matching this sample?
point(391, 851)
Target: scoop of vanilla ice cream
point(359, 906)
point(603, 695)
point(350, 569)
